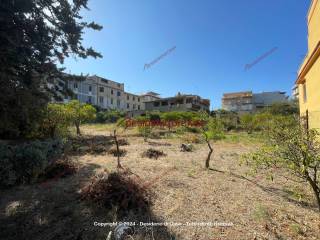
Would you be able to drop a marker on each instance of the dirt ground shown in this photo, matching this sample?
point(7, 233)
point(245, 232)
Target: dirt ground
point(184, 192)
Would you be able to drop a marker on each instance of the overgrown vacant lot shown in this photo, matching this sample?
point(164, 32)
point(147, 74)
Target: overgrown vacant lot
point(182, 191)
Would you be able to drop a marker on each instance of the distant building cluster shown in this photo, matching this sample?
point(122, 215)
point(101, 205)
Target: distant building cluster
point(111, 95)
point(249, 102)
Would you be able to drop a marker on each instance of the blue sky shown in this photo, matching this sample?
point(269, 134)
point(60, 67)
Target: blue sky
point(214, 41)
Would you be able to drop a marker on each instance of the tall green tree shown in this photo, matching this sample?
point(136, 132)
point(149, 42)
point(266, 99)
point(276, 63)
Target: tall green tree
point(35, 35)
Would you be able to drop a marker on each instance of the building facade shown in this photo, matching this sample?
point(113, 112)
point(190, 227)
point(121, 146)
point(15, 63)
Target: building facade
point(248, 102)
point(295, 92)
point(309, 72)
point(111, 95)
point(106, 94)
point(180, 102)
point(241, 102)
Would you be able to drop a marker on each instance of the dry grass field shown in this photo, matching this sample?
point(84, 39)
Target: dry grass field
point(182, 191)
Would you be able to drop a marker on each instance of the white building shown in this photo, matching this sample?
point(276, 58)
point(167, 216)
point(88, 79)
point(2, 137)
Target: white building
point(109, 94)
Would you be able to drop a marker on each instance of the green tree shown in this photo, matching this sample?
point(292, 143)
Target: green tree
point(211, 131)
point(55, 121)
point(35, 36)
point(80, 113)
point(292, 147)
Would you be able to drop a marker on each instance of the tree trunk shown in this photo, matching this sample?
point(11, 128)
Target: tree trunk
point(52, 132)
point(118, 151)
point(209, 154)
point(316, 190)
point(78, 128)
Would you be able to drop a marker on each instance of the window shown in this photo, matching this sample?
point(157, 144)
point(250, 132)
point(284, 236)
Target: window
point(138, 99)
point(127, 97)
point(138, 107)
point(134, 106)
point(101, 99)
point(111, 91)
point(164, 103)
point(75, 85)
point(156, 104)
point(118, 94)
point(118, 103)
point(189, 100)
point(118, 84)
point(133, 98)
point(111, 100)
point(90, 88)
point(89, 99)
point(101, 89)
point(304, 89)
point(128, 105)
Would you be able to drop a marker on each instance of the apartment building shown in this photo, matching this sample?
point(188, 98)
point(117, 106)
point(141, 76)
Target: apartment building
point(180, 102)
point(248, 102)
point(241, 102)
point(106, 94)
point(309, 72)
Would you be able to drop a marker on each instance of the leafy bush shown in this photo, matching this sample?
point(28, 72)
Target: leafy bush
point(145, 131)
point(23, 163)
point(291, 147)
point(229, 120)
point(111, 116)
point(283, 108)
point(248, 122)
point(55, 121)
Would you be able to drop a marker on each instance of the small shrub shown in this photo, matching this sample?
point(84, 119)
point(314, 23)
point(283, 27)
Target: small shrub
point(123, 142)
point(186, 147)
point(114, 152)
point(153, 153)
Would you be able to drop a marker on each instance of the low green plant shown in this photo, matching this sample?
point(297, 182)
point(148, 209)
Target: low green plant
point(23, 163)
point(296, 229)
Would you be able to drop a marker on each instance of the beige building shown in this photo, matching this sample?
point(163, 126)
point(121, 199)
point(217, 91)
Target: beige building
point(108, 94)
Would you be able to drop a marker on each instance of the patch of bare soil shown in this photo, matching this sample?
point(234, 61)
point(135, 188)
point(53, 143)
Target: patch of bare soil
point(183, 192)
